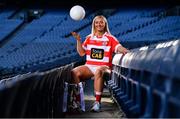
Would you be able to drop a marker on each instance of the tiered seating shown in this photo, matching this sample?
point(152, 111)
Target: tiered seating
point(130, 20)
point(6, 13)
point(152, 11)
point(32, 31)
point(132, 25)
point(53, 48)
point(7, 27)
point(34, 95)
point(146, 27)
point(144, 81)
point(42, 39)
point(164, 29)
point(46, 47)
point(69, 25)
point(122, 16)
point(39, 56)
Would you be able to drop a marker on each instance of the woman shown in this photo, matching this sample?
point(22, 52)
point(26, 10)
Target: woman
point(98, 47)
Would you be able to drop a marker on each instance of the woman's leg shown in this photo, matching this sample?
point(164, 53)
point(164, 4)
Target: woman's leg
point(98, 86)
point(81, 73)
point(99, 81)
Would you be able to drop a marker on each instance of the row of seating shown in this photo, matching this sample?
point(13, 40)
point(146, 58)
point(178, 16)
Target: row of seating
point(34, 95)
point(48, 37)
point(145, 81)
point(31, 31)
point(163, 29)
point(132, 25)
point(6, 13)
point(7, 27)
point(41, 56)
point(42, 45)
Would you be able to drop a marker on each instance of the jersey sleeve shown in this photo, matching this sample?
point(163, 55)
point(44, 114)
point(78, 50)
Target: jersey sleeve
point(115, 44)
point(84, 44)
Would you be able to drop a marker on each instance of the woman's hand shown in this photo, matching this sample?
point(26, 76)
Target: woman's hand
point(76, 36)
point(122, 50)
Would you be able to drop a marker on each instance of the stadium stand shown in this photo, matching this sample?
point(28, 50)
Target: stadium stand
point(143, 84)
point(8, 27)
point(34, 95)
point(38, 52)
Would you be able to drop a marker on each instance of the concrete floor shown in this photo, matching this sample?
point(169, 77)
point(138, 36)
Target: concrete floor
point(109, 109)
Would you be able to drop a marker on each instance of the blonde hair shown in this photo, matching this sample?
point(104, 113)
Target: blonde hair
point(106, 24)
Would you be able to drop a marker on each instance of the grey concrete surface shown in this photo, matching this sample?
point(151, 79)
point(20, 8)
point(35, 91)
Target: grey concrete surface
point(109, 109)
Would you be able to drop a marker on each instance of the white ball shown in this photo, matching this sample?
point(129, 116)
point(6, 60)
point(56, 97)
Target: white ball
point(77, 12)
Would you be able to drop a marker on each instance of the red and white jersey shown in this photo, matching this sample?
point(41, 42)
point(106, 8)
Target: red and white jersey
point(99, 50)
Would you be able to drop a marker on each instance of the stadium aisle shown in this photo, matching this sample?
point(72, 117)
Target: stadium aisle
point(109, 109)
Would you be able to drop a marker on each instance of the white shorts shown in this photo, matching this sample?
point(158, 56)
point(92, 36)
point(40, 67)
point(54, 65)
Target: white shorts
point(93, 68)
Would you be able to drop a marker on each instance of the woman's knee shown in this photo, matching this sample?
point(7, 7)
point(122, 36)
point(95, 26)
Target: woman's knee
point(76, 73)
point(99, 72)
